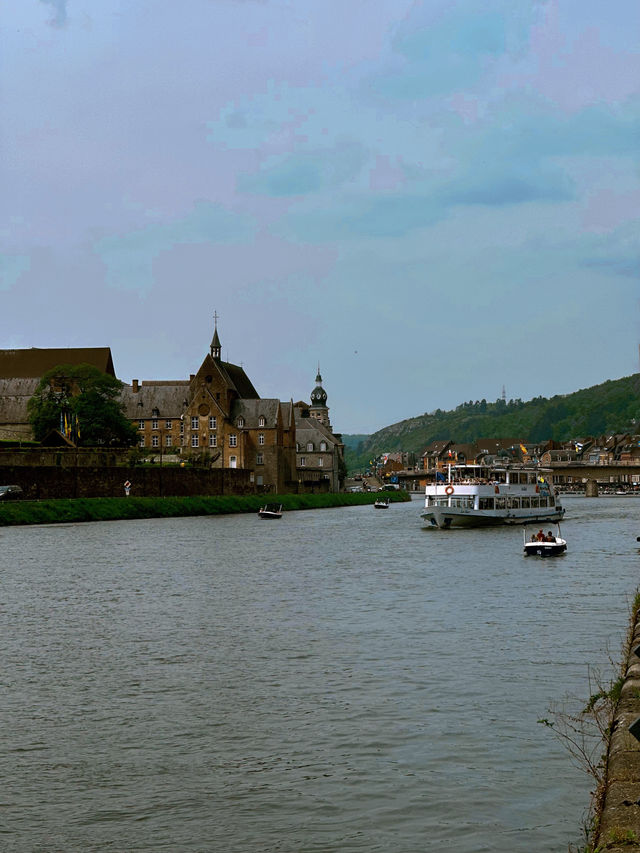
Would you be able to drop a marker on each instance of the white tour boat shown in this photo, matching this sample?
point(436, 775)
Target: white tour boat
point(500, 493)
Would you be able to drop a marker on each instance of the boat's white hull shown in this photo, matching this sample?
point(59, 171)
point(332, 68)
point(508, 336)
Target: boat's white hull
point(545, 549)
point(446, 517)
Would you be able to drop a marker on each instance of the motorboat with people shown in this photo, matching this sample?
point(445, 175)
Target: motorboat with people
point(381, 503)
point(490, 493)
point(543, 544)
point(270, 511)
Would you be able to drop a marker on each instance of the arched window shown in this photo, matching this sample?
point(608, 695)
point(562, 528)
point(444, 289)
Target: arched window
point(261, 421)
point(240, 422)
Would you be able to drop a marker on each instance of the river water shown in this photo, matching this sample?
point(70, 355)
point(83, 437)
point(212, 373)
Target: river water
point(340, 680)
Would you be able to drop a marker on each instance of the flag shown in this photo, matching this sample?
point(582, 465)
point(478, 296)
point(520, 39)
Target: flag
point(524, 450)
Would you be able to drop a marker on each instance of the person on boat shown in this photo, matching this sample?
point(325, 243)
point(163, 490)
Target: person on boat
point(534, 537)
point(540, 537)
point(550, 537)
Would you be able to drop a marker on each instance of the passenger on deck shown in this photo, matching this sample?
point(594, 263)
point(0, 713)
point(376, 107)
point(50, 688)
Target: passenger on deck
point(540, 537)
point(550, 537)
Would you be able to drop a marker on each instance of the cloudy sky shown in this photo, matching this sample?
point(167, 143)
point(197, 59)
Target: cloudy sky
point(432, 199)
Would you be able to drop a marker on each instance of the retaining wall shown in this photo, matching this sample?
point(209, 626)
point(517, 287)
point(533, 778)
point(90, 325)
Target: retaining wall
point(618, 823)
point(51, 481)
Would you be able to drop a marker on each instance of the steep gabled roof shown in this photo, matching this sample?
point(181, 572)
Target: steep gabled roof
point(34, 362)
point(252, 410)
point(240, 381)
point(167, 397)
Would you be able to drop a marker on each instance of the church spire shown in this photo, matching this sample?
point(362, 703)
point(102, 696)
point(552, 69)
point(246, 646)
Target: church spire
point(216, 347)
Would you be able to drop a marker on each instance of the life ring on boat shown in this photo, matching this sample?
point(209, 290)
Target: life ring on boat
point(449, 490)
point(496, 489)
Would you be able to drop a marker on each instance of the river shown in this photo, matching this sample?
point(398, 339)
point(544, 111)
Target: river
point(338, 681)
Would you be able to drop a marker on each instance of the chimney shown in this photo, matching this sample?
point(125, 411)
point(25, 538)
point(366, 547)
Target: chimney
point(134, 385)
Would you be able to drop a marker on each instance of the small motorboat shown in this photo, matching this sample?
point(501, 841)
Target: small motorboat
point(381, 503)
point(270, 511)
point(542, 544)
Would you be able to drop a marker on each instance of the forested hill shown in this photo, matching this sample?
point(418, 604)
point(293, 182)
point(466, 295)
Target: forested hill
point(613, 406)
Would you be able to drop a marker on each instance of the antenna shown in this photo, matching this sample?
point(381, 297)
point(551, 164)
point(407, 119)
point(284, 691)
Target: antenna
point(504, 394)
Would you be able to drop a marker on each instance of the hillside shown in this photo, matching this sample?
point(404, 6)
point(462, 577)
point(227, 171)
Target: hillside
point(613, 406)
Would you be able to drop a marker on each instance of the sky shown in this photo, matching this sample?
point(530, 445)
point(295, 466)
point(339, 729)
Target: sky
point(433, 201)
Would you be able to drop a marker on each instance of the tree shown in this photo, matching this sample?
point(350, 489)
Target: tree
point(83, 403)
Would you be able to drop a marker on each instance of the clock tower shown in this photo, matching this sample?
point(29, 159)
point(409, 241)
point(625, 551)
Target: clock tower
point(318, 408)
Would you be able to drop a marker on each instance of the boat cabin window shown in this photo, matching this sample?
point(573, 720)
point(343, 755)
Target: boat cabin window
point(486, 503)
point(500, 503)
point(526, 502)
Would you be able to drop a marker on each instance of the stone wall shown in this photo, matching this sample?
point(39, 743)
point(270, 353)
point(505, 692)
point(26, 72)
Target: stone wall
point(617, 824)
point(64, 481)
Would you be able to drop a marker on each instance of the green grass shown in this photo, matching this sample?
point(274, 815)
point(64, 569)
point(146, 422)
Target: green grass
point(109, 509)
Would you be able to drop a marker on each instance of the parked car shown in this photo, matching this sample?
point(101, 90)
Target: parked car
point(10, 493)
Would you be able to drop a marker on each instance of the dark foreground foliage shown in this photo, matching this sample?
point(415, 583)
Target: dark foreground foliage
point(109, 509)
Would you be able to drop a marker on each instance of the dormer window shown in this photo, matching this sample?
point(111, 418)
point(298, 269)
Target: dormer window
point(261, 421)
point(240, 423)
point(309, 445)
point(323, 446)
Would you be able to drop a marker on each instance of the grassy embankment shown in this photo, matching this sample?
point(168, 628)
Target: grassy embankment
point(110, 509)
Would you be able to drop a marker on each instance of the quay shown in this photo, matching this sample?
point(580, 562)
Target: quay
point(616, 807)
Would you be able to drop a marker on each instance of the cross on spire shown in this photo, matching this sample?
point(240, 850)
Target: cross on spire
point(216, 347)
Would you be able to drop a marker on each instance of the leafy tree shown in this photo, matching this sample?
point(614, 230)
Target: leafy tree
point(82, 402)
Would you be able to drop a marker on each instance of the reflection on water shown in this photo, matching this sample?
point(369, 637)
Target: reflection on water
point(335, 681)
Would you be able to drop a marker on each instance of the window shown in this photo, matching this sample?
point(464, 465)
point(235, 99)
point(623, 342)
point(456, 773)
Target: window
point(259, 459)
point(309, 445)
point(320, 461)
point(260, 438)
point(168, 441)
point(141, 442)
point(154, 441)
point(194, 441)
point(194, 422)
point(303, 461)
point(140, 424)
point(233, 440)
point(240, 422)
point(233, 462)
point(213, 440)
point(154, 423)
point(181, 427)
point(261, 421)
point(168, 424)
point(323, 446)
point(213, 422)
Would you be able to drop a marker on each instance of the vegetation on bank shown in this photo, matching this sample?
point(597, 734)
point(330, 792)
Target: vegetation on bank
point(612, 407)
point(83, 403)
point(110, 509)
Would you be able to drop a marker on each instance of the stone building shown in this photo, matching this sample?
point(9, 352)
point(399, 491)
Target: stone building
point(319, 451)
point(217, 418)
